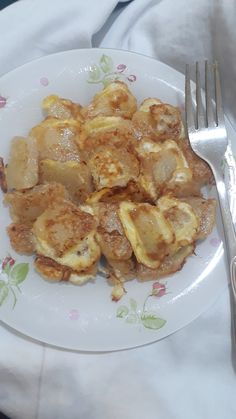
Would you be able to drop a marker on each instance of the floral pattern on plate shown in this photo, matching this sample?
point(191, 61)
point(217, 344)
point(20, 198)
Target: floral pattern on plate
point(148, 319)
point(105, 72)
point(11, 275)
point(3, 101)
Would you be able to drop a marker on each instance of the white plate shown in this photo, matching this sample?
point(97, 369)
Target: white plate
point(84, 317)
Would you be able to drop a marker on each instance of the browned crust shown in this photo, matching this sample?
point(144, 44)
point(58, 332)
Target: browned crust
point(201, 170)
point(64, 225)
point(120, 270)
point(173, 127)
point(170, 265)
point(118, 102)
point(111, 236)
point(27, 205)
point(21, 238)
point(52, 270)
point(162, 122)
point(205, 210)
point(3, 181)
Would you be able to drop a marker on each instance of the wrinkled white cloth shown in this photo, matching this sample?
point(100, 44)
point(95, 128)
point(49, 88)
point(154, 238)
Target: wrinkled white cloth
point(189, 374)
point(180, 32)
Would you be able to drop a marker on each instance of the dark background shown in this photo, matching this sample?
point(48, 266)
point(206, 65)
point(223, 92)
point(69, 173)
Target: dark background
point(4, 3)
point(2, 416)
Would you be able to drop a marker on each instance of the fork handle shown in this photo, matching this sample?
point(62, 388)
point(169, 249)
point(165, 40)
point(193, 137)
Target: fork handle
point(233, 297)
point(230, 244)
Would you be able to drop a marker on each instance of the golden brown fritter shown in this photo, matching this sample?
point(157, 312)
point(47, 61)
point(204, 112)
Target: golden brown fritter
point(205, 210)
point(182, 190)
point(163, 167)
point(110, 233)
point(75, 176)
point(158, 121)
point(57, 139)
point(123, 270)
point(63, 225)
point(22, 168)
point(132, 192)
point(170, 265)
point(114, 100)
point(25, 206)
point(104, 131)
point(58, 107)
point(21, 238)
point(182, 219)
point(66, 234)
point(148, 231)
point(111, 166)
point(52, 270)
point(202, 173)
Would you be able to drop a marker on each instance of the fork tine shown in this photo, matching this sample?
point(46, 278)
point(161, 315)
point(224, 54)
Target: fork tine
point(218, 97)
point(209, 108)
point(189, 116)
point(200, 109)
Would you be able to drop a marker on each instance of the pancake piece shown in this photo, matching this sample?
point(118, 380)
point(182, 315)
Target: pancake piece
point(114, 100)
point(66, 234)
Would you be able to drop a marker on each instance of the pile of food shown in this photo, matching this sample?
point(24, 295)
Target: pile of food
point(108, 179)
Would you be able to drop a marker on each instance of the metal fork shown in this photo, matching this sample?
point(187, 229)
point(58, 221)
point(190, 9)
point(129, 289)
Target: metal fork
point(208, 139)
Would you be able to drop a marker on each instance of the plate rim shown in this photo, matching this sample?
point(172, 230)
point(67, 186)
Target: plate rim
point(83, 50)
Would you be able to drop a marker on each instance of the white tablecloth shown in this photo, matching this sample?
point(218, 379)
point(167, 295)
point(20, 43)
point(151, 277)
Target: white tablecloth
point(189, 374)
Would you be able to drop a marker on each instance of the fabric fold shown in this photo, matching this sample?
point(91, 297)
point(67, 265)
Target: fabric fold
point(189, 374)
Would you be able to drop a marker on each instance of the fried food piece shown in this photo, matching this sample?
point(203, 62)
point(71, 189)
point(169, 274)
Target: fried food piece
point(121, 270)
point(157, 120)
point(80, 278)
point(202, 173)
point(168, 121)
point(205, 210)
point(182, 190)
point(117, 272)
point(163, 167)
point(170, 265)
point(132, 192)
point(61, 108)
point(57, 139)
point(114, 100)
point(148, 102)
point(3, 181)
point(113, 245)
point(111, 166)
point(104, 131)
point(110, 233)
point(183, 220)
point(66, 234)
point(62, 226)
point(21, 238)
point(117, 292)
point(53, 271)
point(148, 232)
point(75, 176)
point(143, 123)
point(26, 206)
point(22, 168)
